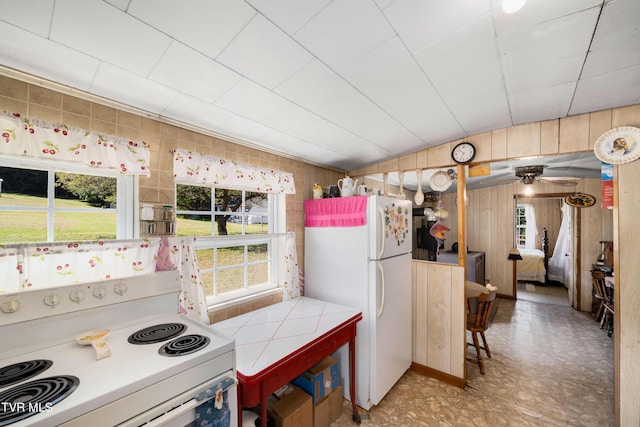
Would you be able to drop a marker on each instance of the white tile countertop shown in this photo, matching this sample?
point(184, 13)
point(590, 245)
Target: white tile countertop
point(265, 336)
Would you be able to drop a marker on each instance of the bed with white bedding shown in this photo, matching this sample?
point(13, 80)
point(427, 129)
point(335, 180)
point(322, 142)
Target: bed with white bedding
point(532, 267)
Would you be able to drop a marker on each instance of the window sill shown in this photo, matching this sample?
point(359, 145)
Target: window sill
point(243, 300)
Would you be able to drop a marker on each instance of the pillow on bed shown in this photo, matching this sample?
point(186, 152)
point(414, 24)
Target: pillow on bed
point(475, 289)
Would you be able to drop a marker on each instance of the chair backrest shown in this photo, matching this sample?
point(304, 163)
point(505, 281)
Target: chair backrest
point(485, 302)
point(598, 283)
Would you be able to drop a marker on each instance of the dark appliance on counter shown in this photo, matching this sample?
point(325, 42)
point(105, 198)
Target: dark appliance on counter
point(424, 240)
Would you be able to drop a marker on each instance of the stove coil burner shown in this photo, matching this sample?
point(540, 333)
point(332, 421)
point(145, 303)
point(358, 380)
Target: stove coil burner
point(34, 397)
point(156, 333)
point(13, 374)
point(184, 345)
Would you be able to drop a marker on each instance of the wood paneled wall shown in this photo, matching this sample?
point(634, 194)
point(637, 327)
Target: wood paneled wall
point(439, 330)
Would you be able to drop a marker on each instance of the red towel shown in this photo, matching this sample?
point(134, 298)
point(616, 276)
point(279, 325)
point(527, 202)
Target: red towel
point(336, 212)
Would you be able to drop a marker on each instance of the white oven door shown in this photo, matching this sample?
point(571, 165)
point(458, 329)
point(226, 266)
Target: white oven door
point(181, 410)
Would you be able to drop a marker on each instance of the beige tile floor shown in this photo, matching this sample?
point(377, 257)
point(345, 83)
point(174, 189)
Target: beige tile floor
point(551, 366)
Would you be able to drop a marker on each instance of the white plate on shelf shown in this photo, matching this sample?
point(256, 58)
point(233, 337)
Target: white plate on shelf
point(440, 181)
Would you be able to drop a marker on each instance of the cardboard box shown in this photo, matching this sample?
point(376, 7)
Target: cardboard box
point(321, 379)
point(293, 409)
point(328, 409)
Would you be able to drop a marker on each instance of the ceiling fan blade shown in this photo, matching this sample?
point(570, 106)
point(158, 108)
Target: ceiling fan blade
point(559, 181)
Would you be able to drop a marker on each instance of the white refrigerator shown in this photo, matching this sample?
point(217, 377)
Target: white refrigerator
point(367, 267)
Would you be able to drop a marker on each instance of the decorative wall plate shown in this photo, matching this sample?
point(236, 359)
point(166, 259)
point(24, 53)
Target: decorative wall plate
point(580, 200)
point(619, 145)
point(440, 181)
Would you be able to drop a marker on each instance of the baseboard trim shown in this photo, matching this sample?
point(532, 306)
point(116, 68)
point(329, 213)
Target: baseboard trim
point(438, 375)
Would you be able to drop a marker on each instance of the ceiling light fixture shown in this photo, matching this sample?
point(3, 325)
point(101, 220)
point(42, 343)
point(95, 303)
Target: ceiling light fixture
point(512, 6)
point(528, 190)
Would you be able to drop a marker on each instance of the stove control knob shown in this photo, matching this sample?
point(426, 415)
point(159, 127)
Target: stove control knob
point(120, 288)
point(52, 299)
point(10, 306)
point(77, 295)
point(99, 292)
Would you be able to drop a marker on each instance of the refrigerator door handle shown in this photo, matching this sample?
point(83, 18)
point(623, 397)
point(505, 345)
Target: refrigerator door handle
point(381, 214)
point(382, 296)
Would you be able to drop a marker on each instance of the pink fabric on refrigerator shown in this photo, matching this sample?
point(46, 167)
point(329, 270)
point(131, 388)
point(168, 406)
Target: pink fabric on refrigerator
point(336, 212)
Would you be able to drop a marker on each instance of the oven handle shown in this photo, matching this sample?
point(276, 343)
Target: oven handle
point(180, 405)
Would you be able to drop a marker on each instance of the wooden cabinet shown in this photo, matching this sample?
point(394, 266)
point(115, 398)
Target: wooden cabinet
point(157, 220)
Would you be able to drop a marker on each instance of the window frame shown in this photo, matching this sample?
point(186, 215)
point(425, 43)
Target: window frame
point(127, 186)
point(519, 229)
point(275, 215)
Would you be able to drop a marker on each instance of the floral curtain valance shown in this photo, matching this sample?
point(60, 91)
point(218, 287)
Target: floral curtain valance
point(194, 168)
point(46, 265)
point(24, 137)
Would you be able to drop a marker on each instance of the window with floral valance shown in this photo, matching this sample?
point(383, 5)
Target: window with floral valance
point(195, 168)
point(39, 139)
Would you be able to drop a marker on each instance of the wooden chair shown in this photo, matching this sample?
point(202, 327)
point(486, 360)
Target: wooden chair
point(478, 323)
point(599, 291)
point(608, 309)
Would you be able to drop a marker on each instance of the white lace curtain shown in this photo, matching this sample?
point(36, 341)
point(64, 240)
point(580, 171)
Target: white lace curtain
point(47, 265)
point(195, 168)
point(292, 283)
point(38, 139)
point(531, 227)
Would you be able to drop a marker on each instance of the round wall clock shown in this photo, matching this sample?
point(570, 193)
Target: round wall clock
point(463, 153)
point(618, 146)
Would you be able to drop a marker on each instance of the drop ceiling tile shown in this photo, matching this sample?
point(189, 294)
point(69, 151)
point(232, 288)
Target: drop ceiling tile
point(240, 127)
point(300, 123)
point(192, 110)
point(470, 81)
point(415, 104)
point(483, 111)
point(344, 31)
point(319, 89)
point(615, 89)
point(289, 15)
point(251, 101)
point(207, 26)
point(31, 15)
point(263, 53)
point(537, 12)
point(53, 61)
point(457, 54)
point(300, 148)
point(380, 68)
point(570, 35)
point(527, 75)
point(125, 42)
point(203, 78)
point(128, 88)
point(541, 104)
point(616, 44)
point(423, 23)
point(120, 4)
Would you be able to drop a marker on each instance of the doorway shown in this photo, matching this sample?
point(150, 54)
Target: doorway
point(550, 270)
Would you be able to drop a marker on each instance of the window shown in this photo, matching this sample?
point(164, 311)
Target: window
point(43, 202)
point(521, 226)
point(526, 228)
point(236, 242)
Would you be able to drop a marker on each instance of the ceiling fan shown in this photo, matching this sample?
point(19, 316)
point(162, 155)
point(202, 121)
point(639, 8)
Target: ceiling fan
point(532, 175)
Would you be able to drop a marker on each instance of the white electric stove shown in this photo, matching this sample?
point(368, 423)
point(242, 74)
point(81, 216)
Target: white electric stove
point(47, 378)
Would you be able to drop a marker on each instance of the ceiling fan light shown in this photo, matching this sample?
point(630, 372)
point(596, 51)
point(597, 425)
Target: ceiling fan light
point(512, 6)
point(528, 190)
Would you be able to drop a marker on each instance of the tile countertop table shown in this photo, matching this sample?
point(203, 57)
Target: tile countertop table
point(277, 343)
